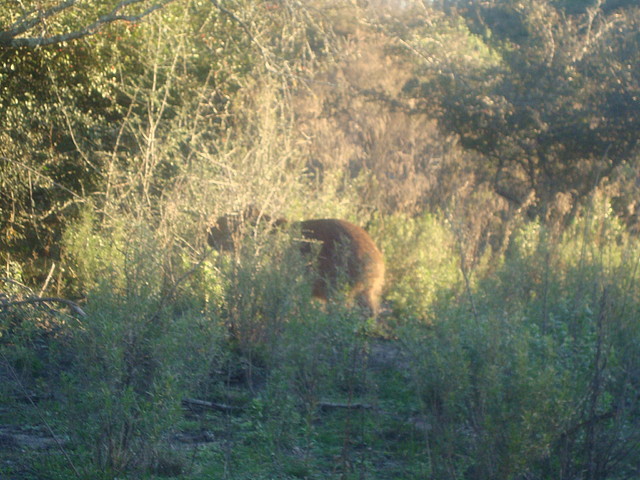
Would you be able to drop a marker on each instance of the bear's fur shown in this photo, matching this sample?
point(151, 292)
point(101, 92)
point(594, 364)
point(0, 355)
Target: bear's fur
point(346, 252)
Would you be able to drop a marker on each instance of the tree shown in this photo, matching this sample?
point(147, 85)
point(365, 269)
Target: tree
point(556, 109)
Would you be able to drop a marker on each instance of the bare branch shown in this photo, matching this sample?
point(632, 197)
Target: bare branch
point(25, 24)
point(46, 282)
point(38, 173)
point(252, 38)
point(72, 305)
point(9, 38)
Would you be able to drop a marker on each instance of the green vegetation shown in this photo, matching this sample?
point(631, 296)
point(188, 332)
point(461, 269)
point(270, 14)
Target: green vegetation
point(491, 150)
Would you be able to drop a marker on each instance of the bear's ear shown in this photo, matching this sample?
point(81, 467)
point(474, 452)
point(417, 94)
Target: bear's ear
point(251, 214)
point(280, 222)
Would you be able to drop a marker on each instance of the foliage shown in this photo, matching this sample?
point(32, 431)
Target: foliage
point(528, 382)
point(54, 105)
point(528, 370)
point(134, 354)
point(541, 108)
point(417, 271)
point(490, 148)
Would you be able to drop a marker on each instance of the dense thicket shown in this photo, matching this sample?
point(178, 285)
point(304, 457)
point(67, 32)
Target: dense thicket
point(491, 149)
point(391, 108)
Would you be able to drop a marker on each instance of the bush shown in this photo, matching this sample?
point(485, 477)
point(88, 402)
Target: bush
point(136, 353)
point(535, 379)
point(421, 259)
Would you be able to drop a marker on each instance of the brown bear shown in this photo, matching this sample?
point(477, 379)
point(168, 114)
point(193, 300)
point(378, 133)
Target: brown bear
point(345, 252)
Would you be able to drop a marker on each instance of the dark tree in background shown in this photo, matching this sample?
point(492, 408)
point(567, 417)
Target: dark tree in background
point(560, 109)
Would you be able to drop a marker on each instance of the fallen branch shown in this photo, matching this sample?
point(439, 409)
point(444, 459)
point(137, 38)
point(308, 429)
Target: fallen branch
point(219, 407)
point(348, 406)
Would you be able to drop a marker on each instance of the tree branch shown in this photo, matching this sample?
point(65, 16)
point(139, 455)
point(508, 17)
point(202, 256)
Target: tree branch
point(247, 30)
point(24, 24)
point(72, 305)
point(9, 38)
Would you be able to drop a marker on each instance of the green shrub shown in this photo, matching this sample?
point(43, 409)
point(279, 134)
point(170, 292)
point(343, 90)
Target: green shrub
point(422, 263)
point(136, 354)
point(535, 378)
point(263, 284)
